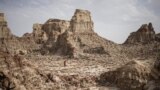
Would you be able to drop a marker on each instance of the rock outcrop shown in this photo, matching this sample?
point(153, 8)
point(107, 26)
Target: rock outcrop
point(81, 22)
point(132, 76)
point(80, 37)
point(39, 35)
point(55, 27)
point(11, 43)
point(154, 83)
point(158, 37)
point(4, 30)
point(17, 73)
point(70, 37)
point(145, 34)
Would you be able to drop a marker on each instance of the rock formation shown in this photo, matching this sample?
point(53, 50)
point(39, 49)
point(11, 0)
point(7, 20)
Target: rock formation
point(38, 34)
point(70, 37)
point(80, 37)
point(145, 34)
point(4, 30)
point(158, 37)
point(81, 22)
point(11, 43)
point(132, 76)
point(55, 27)
point(17, 73)
point(154, 82)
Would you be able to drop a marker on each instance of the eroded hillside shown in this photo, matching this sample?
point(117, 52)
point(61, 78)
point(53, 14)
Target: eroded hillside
point(69, 55)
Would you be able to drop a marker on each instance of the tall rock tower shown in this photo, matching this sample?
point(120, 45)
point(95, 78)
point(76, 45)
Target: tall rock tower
point(4, 30)
point(81, 21)
point(80, 37)
point(73, 38)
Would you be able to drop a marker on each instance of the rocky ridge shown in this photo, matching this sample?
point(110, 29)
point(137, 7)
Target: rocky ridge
point(145, 34)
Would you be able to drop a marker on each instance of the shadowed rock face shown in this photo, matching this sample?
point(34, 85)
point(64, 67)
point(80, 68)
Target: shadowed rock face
point(38, 34)
point(4, 30)
point(158, 37)
point(144, 34)
point(55, 27)
point(5, 82)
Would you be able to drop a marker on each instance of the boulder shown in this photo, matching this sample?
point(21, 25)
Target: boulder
point(132, 76)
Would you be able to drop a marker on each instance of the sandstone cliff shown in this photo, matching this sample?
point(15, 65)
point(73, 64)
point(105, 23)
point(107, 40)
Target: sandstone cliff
point(80, 37)
point(81, 22)
point(38, 34)
point(55, 27)
point(71, 37)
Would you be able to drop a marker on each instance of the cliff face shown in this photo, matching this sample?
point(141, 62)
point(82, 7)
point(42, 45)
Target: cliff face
point(81, 22)
point(81, 26)
point(80, 38)
point(53, 29)
point(70, 37)
point(145, 34)
point(38, 34)
point(4, 30)
point(158, 37)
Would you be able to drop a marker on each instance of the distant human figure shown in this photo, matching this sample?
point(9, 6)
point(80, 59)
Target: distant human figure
point(65, 63)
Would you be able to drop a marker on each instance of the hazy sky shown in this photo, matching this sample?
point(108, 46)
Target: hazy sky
point(113, 19)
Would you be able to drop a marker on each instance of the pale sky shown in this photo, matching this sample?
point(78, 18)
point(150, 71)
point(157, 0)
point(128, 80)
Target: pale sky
point(113, 19)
